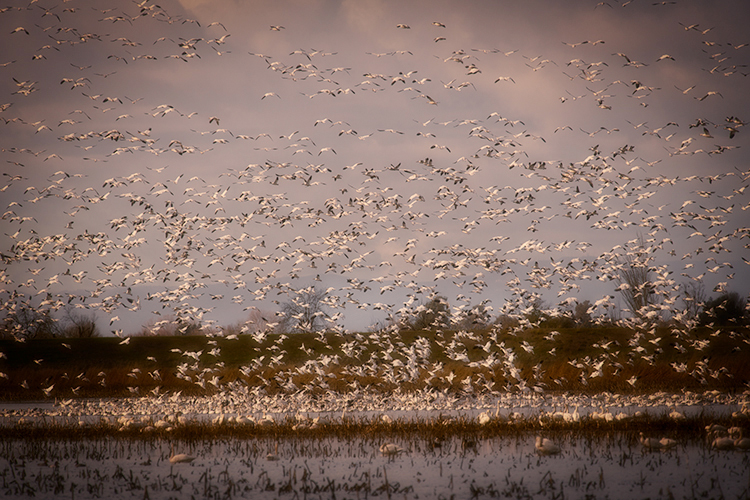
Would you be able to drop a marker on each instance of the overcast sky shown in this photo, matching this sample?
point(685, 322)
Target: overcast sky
point(203, 158)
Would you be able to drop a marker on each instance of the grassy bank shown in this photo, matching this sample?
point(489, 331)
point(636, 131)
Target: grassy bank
point(583, 360)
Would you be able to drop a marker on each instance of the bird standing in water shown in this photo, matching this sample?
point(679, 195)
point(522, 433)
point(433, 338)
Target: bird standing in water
point(546, 447)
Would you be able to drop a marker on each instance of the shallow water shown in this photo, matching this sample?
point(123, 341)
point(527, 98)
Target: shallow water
point(613, 467)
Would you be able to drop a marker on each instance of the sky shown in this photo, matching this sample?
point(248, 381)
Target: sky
point(204, 159)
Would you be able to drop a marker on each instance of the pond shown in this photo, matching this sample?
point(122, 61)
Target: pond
point(613, 465)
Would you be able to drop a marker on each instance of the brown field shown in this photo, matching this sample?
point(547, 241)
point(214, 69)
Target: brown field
point(661, 360)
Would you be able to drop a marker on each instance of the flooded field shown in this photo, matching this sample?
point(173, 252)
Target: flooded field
point(660, 446)
point(612, 466)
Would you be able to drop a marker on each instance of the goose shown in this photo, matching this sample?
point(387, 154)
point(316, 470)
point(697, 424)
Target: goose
point(180, 458)
point(722, 443)
point(667, 443)
point(742, 443)
point(676, 415)
point(390, 449)
point(650, 443)
point(546, 447)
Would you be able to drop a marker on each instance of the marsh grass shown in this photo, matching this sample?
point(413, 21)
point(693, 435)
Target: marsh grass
point(561, 360)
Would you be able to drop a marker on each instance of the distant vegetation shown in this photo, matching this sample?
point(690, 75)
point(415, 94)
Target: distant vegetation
point(29, 324)
point(309, 310)
point(433, 348)
point(490, 359)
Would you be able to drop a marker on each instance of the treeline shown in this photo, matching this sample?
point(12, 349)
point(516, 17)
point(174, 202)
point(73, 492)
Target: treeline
point(309, 312)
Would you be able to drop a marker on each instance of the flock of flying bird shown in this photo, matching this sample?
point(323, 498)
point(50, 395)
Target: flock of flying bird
point(471, 211)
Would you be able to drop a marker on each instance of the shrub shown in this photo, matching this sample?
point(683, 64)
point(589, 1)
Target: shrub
point(27, 323)
point(434, 314)
point(77, 325)
point(727, 309)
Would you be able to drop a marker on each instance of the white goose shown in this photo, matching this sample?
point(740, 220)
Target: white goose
point(390, 449)
point(179, 458)
point(650, 443)
point(546, 447)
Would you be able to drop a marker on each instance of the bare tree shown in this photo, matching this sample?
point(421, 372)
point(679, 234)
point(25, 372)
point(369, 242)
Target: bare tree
point(27, 323)
point(694, 296)
point(305, 312)
point(634, 277)
point(78, 325)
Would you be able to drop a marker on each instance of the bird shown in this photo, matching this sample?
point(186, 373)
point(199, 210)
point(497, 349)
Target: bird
point(667, 443)
point(740, 442)
point(179, 234)
point(649, 443)
point(546, 447)
point(180, 458)
point(390, 449)
point(722, 443)
point(709, 94)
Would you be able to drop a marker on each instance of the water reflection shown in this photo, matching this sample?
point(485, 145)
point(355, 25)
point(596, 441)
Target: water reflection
point(592, 466)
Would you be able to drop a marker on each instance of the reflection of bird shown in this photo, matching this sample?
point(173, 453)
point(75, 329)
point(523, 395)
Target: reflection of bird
point(275, 455)
point(546, 447)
